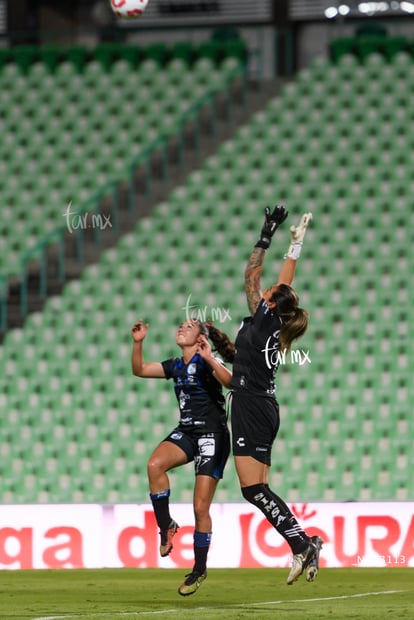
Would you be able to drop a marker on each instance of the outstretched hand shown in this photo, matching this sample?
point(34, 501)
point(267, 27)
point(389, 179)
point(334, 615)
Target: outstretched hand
point(139, 331)
point(271, 224)
point(297, 235)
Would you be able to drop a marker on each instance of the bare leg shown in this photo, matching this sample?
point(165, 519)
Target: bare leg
point(205, 487)
point(250, 471)
point(166, 456)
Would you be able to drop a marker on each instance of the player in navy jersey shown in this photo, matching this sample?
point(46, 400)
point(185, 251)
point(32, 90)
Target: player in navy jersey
point(201, 435)
point(276, 321)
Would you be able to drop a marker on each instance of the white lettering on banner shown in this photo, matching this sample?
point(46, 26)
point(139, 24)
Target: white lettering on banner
point(52, 536)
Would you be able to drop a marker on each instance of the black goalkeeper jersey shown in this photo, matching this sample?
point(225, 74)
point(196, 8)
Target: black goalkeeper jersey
point(199, 395)
point(257, 353)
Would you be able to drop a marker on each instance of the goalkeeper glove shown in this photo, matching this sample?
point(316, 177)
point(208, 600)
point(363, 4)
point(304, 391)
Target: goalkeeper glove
point(297, 235)
point(271, 223)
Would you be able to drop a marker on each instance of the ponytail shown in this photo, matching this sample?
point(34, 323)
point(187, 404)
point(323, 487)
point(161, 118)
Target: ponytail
point(293, 328)
point(294, 319)
point(222, 344)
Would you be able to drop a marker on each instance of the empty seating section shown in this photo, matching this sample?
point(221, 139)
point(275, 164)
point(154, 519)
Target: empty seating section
point(364, 44)
point(71, 127)
point(75, 424)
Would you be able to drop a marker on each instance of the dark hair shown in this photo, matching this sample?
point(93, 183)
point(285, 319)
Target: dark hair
point(221, 342)
point(294, 319)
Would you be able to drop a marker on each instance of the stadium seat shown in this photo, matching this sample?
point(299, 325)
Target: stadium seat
point(345, 434)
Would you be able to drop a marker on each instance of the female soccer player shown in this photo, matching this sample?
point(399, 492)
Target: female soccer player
point(276, 321)
point(201, 436)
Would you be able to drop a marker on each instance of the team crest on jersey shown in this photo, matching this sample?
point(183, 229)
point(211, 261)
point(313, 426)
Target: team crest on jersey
point(191, 369)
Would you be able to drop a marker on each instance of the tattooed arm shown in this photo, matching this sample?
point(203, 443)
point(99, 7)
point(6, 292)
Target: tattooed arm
point(252, 275)
point(254, 266)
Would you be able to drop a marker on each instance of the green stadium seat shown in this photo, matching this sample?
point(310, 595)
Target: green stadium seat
point(24, 56)
point(51, 56)
point(364, 46)
point(342, 46)
point(158, 52)
point(78, 56)
point(184, 51)
point(395, 45)
point(345, 435)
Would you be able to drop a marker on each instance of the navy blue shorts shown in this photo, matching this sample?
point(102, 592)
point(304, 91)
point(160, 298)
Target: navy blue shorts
point(209, 451)
point(255, 422)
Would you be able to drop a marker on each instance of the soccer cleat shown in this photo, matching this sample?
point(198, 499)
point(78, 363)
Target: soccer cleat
point(313, 566)
point(300, 562)
point(166, 539)
point(191, 583)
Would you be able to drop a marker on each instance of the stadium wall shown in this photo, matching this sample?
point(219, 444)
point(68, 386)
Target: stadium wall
point(375, 534)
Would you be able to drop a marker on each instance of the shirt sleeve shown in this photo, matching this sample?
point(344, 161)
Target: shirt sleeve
point(168, 366)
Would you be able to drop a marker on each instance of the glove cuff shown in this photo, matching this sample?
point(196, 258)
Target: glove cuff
point(294, 250)
point(263, 242)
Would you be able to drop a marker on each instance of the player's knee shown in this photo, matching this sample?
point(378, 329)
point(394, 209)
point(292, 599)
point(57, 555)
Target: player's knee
point(155, 467)
point(253, 493)
point(201, 509)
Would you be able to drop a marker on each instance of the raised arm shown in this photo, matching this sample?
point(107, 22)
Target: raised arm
point(297, 235)
point(287, 271)
point(140, 368)
point(254, 267)
point(252, 278)
point(221, 373)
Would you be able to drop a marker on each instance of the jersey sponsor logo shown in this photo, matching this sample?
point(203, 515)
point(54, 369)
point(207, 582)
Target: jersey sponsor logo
point(186, 421)
point(182, 397)
point(187, 380)
point(207, 446)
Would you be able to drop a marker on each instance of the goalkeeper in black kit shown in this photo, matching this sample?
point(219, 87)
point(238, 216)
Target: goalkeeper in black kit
point(275, 321)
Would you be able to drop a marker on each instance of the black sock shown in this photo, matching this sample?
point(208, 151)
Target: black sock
point(278, 514)
point(202, 542)
point(161, 505)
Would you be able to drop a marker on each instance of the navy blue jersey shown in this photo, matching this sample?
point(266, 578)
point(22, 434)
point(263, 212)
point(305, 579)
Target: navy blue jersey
point(200, 396)
point(257, 354)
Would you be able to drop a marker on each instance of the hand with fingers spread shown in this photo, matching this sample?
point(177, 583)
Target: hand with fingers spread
point(297, 235)
point(271, 224)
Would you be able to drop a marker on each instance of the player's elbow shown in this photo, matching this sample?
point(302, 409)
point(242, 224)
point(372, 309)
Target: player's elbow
point(137, 371)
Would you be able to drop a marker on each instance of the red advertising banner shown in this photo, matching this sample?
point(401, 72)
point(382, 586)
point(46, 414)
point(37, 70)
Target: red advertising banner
point(94, 536)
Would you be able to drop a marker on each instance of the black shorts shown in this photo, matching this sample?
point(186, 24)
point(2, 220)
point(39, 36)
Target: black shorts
point(209, 451)
point(255, 422)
